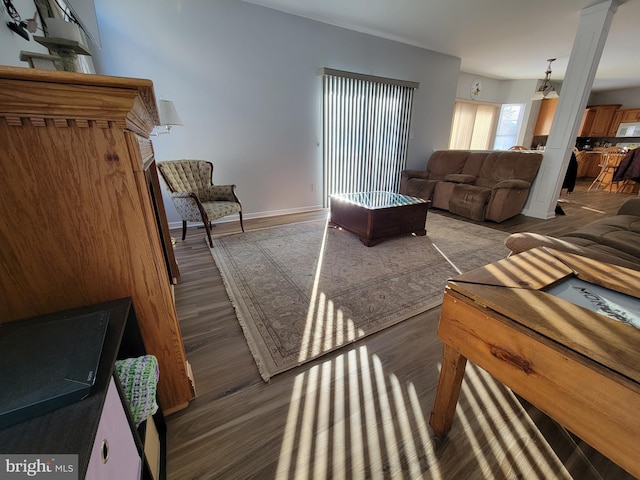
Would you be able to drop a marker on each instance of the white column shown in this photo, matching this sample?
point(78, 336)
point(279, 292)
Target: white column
point(593, 29)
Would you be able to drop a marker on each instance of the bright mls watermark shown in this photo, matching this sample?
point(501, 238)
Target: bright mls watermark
point(50, 467)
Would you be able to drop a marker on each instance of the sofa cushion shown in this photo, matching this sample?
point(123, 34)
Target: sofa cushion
point(460, 178)
point(469, 201)
point(474, 163)
point(419, 187)
point(509, 165)
point(485, 182)
point(513, 184)
point(631, 206)
point(620, 232)
point(444, 162)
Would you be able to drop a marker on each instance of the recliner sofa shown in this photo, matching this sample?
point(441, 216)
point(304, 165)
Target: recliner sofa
point(479, 185)
point(614, 239)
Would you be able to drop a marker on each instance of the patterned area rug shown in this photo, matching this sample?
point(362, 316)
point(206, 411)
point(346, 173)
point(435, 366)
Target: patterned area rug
point(304, 289)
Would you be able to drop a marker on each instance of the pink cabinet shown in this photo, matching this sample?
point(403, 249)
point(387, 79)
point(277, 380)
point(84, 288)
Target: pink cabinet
point(114, 453)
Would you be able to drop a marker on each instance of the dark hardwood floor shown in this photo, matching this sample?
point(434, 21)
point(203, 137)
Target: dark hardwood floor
point(362, 411)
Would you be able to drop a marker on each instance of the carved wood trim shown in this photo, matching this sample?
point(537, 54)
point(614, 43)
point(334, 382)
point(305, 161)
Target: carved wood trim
point(68, 97)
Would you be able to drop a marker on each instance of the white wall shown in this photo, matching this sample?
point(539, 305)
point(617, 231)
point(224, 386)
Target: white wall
point(11, 43)
point(627, 97)
point(244, 81)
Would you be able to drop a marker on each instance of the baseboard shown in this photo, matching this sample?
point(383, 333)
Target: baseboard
point(248, 216)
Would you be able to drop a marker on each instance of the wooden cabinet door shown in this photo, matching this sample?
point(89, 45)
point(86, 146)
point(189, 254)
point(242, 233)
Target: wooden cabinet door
point(630, 115)
point(587, 122)
point(597, 120)
point(615, 123)
point(545, 116)
point(602, 121)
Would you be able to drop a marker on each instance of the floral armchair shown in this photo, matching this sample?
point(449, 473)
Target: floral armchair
point(194, 195)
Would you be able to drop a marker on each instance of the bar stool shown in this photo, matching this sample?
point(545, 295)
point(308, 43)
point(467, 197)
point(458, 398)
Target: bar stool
point(611, 158)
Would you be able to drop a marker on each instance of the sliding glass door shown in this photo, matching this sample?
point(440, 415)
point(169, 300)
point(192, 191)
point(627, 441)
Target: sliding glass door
point(366, 124)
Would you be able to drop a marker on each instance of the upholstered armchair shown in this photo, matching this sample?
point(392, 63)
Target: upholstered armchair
point(194, 195)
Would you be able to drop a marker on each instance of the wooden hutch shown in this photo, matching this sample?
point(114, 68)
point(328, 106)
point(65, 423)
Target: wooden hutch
point(82, 216)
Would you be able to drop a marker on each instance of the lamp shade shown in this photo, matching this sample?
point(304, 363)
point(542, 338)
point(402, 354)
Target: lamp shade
point(167, 113)
point(538, 96)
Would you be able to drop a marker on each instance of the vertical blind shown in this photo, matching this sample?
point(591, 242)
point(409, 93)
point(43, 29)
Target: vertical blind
point(366, 124)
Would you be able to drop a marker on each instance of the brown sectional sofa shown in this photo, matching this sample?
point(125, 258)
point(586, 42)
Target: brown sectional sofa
point(613, 240)
point(480, 185)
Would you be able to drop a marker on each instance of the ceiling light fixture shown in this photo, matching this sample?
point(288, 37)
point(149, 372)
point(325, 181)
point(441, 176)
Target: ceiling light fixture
point(546, 90)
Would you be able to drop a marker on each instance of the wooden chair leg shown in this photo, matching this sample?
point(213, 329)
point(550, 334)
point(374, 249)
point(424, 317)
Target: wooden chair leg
point(208, 230)
point(598, 180)
point(184, 230)
point(621, 186)
point(241, 224)
point(611, 171)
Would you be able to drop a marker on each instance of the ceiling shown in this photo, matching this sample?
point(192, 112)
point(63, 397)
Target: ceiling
point(502, 39)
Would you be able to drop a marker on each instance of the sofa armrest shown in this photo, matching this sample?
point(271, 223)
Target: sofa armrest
point(424, 174)
point(512, 184)
point(218, 193)
point(182, 195)
point(521, 242)
point(187, 205)
point(460, 178)
point(630, 207)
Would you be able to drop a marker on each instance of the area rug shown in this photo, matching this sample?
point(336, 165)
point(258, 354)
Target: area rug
point(304, 289)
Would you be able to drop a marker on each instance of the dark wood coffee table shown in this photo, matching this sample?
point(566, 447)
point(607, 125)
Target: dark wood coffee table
point(374, 216)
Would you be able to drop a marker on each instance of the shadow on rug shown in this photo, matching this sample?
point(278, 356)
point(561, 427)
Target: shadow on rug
point(304, 289)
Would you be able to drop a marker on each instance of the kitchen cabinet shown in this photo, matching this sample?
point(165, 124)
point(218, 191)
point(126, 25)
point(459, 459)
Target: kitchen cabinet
point(623, 115)
point(615, 123)
point(100, 428)
point(588, 164)
point(587, 122)
point(597, 120)
point(630, 115)
point(545, 116)
point(80, 221)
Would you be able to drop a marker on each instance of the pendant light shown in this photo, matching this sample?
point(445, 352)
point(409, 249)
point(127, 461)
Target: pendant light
point(546, 90)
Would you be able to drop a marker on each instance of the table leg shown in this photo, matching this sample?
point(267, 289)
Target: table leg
point(448, 391)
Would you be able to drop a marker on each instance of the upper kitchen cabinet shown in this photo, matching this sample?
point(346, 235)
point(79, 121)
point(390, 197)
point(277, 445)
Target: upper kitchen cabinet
point(597, 120)
point(624, 115)
point(630, 115)
point(545, 116)
point(615, 123)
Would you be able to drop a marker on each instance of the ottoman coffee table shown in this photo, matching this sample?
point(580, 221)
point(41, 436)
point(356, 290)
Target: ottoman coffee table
point(559, 330)
point(374, 216)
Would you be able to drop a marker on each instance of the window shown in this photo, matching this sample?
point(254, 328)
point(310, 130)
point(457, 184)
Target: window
point(473, 125)
point(508, 125)
point(366, 132)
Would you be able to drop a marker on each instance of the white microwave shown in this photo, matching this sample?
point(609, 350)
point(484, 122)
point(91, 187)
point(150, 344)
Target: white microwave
point(628, 130)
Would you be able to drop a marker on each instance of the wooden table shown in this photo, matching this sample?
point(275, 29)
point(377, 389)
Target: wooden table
point(374, 216)
point(579, 367)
